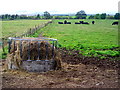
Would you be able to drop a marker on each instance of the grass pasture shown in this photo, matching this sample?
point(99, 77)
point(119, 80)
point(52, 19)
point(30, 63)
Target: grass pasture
point(97, 39)
point(17, 27)
point(14, 28)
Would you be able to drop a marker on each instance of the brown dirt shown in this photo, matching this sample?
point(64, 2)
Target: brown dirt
point(77, 72)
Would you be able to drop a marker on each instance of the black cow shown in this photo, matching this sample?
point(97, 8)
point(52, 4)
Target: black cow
point(93, 22)
point(77, 23)
point(85, 23)
point(115, 23)
point(60, 22)
point(81, 22)
point(68, 22)
point(65, 22)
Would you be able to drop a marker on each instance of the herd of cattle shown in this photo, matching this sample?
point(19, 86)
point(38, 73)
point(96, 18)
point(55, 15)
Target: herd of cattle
point(82, 22)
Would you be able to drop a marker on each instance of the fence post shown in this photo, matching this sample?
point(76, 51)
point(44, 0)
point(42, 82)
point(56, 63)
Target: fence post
point(56, 44)
point(9, 45)
point(3, 45)
point(30, 31)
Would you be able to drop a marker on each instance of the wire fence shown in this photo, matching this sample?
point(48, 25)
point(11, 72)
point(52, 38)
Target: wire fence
point(31, 31)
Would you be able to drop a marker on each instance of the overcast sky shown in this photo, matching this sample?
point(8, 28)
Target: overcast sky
point(58, 6)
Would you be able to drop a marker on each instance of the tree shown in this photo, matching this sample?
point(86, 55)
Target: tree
point(12, 17)
point(3, 16)
point(97, 16)
point(9, 16)
point(38, 16)
point(109, 17)
point(6, 16)
point(23, 17)
point(103, 16)
point(81, 15)
point(91, 17)
point(16, 16)
point(117, 16)
point(47, 15)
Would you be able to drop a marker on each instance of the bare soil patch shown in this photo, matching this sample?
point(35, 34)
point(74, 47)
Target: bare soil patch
point(77, 72)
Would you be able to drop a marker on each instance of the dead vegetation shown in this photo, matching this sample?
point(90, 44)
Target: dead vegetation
point(32, 50)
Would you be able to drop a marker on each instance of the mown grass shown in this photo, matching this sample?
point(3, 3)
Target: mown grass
point(99, 39)
point(17, 27)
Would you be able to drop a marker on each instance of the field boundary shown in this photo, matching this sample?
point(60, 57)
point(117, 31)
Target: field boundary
point(30, 32)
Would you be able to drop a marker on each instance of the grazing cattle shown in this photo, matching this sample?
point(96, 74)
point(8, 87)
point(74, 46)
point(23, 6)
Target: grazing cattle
point(77, 23)
point(81, 22)
point(115, 23)
point(68, 22)
point(93, 22)
point(60, 22)
point(85, 23)
point(65, 22)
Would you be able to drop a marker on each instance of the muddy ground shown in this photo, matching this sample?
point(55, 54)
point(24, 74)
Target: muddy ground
point(77, 72)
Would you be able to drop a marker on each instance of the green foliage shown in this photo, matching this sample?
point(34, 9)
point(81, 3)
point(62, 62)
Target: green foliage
point(81, 15)
point(38, 16)
point(117, 16)
point(100, 53)
point(47, 15)
point(110, 17)
point(108, 53)
point(103, 16)
point(16, 16)
point(97, 16)
point(91, 17)
point(3, 55)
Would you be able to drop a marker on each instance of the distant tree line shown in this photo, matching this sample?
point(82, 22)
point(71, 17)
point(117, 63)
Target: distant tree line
point(13, 17)
point(82, 15)
point(104, 16)
point(46, 15)
point(79, 15)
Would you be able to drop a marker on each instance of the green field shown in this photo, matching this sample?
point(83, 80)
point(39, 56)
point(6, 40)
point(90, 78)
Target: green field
point(18, 27)
point(14, 28)
point(97, 39)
